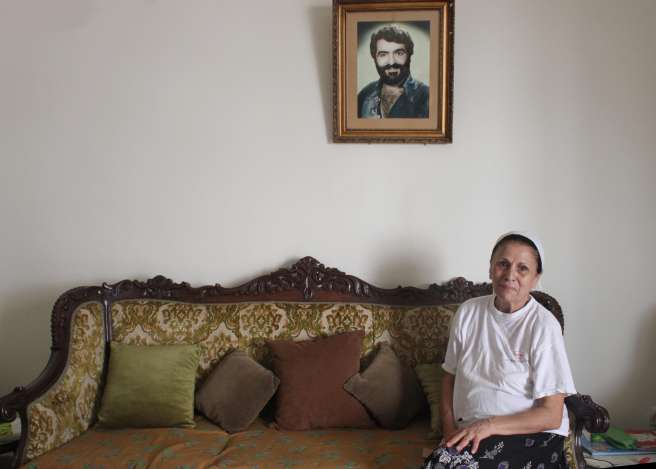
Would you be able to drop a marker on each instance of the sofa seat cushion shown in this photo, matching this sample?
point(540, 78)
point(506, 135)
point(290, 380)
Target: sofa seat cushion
point(260, 446)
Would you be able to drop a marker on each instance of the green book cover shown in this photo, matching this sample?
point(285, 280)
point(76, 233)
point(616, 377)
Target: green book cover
point(5, 429)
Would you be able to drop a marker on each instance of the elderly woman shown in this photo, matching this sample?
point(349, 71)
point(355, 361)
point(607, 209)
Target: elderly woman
point(507, 372)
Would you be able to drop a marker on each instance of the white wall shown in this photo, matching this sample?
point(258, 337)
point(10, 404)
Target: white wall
point(192, 139)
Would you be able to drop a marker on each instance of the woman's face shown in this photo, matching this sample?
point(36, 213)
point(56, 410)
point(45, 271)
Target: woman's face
point(514, 273)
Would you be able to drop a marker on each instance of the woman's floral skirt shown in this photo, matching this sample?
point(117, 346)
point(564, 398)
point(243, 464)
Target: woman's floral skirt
point(534, 451)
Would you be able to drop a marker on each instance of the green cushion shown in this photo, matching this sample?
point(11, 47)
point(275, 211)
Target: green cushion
point(150, 386)
point(430, 377)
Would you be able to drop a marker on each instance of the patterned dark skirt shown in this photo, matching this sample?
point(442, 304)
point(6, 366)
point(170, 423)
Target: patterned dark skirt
point(534, 451)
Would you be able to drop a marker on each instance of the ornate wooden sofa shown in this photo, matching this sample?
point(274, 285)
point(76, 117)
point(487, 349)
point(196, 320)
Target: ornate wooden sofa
point(58, 410)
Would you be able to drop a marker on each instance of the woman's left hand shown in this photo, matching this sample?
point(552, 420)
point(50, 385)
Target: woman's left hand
point(474, 434)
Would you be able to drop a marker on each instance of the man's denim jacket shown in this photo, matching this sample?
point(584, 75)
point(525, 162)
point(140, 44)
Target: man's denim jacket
point(412, 103)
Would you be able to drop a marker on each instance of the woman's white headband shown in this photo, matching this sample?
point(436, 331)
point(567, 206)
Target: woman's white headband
point(529, 236)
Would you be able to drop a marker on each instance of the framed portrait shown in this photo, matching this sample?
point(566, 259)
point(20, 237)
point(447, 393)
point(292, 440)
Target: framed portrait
point(393, 71)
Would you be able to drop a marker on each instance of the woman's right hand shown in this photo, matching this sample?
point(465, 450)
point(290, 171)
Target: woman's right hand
point(472, 434)
point(447, 432)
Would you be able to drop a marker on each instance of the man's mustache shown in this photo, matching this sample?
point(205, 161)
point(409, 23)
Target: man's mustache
point(393, 66)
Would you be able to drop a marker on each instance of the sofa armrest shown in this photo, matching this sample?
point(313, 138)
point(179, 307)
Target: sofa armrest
point(61, 403)
point(585, 414)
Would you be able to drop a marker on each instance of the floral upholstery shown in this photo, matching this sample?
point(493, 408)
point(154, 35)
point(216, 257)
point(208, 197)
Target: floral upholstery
point(67, 409)
point(418, 335)
point(570, 455)
point(207, 446)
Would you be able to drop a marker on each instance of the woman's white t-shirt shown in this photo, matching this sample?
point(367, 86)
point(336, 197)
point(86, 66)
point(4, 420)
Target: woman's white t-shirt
point(503, 362)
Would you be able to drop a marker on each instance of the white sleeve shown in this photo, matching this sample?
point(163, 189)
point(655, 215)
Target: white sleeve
point(549, 364)
point(454, 347)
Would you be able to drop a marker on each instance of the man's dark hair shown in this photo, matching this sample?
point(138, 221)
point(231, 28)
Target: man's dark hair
point(516, 238)
point(392, 33)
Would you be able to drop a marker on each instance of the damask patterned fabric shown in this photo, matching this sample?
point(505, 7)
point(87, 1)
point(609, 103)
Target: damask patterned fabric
point(66, 410)
point(261, 447)
point(417, 335)
point(570, 456)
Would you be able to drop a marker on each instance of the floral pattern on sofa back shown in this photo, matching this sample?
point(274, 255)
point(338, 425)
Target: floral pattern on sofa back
point(417, 334)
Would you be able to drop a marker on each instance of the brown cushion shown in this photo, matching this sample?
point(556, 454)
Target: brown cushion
point(312, 375)
point(236, 391)
point(389, 389)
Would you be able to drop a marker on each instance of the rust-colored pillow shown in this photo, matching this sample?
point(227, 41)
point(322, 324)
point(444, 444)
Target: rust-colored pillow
point(312, 374)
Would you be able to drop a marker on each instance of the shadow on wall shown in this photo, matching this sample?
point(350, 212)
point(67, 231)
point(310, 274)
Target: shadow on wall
point(634, 395)
point(266, 270)
point(321, 22)
point(389, 270)
point(25, 338)
point(399, 265)
point(66, 15)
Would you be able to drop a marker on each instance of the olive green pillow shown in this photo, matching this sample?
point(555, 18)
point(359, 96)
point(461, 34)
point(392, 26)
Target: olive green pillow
point(150, 386)
point(430, 377)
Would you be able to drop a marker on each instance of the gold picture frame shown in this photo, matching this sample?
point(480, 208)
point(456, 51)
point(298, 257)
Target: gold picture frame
point(393, 71)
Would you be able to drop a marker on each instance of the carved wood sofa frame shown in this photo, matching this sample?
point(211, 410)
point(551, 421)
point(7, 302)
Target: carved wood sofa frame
point(306, 281)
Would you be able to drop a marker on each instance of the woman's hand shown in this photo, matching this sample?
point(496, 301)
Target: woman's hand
point(474, 434)
point(447, 432)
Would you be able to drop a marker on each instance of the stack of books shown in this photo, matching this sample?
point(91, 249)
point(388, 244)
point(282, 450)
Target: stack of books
point(630, 443)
